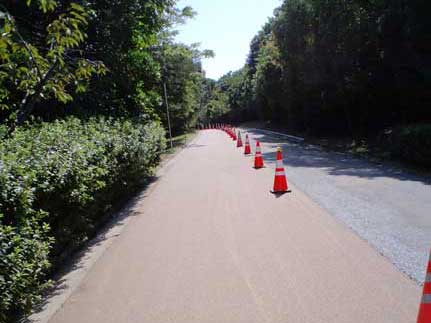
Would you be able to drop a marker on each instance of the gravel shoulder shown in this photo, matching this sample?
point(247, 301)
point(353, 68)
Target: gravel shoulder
point(209, 243)
point(386, 206)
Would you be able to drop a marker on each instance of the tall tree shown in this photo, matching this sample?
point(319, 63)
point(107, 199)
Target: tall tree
point(41, 63)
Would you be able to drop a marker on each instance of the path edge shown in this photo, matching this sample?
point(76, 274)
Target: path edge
point(73, 272)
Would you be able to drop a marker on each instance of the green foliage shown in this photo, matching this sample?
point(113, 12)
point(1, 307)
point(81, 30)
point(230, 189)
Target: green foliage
point(234, 91)
point(30, 71)
point(338, 67)
point(45, 5)
point(64, 176)
point(128, 44)
point(3, 131)
point(216, 108)
point(64, 166)
point(268, 89)
point(183, 75)
point(24, 254)
point(412, 144)
point(124, 35)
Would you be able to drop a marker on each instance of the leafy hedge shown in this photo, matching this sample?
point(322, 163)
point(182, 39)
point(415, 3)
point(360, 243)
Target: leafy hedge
point(58, 180)
point(413, 144)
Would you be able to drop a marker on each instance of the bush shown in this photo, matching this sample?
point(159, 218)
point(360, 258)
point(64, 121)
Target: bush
point(3, 131)
point(24, 254)
point(59, 179)
point(413, 144)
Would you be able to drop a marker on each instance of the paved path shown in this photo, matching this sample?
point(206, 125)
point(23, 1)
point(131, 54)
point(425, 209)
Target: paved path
point(388, 207)
point(210, 244)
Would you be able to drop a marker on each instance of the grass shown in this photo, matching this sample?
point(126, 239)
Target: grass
point(180, 141)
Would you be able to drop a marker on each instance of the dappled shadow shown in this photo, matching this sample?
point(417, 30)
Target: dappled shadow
point(333, 163)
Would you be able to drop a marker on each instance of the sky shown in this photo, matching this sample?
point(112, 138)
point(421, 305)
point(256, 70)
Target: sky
point(226, 27)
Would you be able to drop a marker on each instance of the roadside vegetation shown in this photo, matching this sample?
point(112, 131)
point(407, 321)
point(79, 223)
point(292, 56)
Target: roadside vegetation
point(343, 69)
point(82, 123)
point(83, 117)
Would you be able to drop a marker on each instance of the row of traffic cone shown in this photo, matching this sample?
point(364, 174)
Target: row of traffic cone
point(281, 186)
point(280, 181)
point(211, 126)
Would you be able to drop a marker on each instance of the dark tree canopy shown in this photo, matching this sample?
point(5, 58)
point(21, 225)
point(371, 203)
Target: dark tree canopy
point(108, 57)
point(337, 67)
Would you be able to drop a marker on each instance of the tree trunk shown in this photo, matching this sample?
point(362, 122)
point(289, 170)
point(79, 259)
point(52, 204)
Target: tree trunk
point(29, 101)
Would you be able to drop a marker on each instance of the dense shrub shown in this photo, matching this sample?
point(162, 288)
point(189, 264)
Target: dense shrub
point(58, 180)
point(24, 252)
point(3, 131)
point(413, 144)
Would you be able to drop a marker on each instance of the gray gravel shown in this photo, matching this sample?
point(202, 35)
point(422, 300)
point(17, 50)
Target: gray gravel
point(386, 206)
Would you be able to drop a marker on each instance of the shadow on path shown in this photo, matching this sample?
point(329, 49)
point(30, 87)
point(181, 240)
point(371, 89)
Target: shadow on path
point(81, 258)
point(334, 163)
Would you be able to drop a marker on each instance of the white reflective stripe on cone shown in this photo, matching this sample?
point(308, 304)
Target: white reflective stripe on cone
point(426, 299)
point(279, 164)
point(279, 173)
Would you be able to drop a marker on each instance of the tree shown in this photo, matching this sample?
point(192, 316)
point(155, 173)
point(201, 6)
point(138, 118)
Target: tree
point(182, 72)
point(340, 67)
point(31, 71)
point(268, 89)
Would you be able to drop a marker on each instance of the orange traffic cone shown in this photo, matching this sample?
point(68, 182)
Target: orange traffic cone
point(234, 134)
point(280, 182)
point(425, 307)
point(258, 159)
point(247, 150)
point(239, 142)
